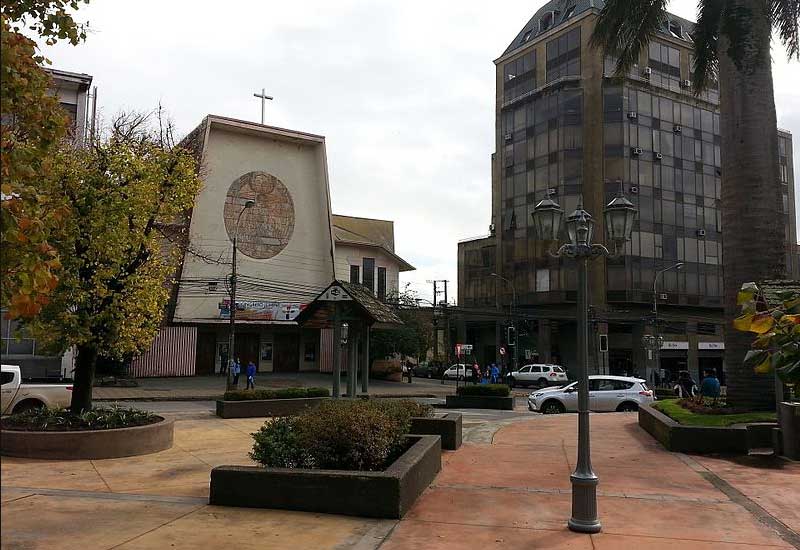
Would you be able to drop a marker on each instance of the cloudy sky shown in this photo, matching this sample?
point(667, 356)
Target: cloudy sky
point(403, 92)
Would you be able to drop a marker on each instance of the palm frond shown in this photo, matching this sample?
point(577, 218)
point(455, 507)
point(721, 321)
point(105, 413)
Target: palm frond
point(785, 15)
point(706, 41)
point(625, 28)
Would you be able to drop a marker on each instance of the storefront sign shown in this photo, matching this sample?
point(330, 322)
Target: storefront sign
point(711, 345)
point(254, 310)
point(675, 345)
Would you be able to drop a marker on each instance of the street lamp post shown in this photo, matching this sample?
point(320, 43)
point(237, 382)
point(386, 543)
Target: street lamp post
point(232, 307)
point(619, 216)
point(657, 339)
point(511, 307)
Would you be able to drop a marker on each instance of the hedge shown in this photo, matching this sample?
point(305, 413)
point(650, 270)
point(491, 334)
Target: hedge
point(488, 390)
point(339, 435)
point(282, 393)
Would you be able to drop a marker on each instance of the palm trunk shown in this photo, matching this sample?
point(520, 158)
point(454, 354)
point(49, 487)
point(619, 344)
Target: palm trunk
point(84, 378)
point(752, 213)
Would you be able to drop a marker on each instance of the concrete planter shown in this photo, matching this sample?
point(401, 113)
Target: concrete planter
point(266, 407)
point(790, 430)
point(88, 444)
point(479, 402)
point(446, 426)
point(692, 439)
point(386, 494)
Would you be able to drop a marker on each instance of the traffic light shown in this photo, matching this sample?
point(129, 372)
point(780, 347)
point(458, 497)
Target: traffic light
point(512, 336)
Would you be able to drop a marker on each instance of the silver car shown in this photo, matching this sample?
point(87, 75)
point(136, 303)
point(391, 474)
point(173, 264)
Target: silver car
point(606, 393)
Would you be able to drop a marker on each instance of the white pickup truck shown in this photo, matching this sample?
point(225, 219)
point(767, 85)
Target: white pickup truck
point(19, 397)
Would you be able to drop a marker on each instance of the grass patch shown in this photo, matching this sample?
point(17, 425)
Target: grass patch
point(673, 409)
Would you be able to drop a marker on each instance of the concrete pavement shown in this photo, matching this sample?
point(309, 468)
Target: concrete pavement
point(507, 487)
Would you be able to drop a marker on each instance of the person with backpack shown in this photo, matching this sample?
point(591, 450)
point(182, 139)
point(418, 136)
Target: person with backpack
point(686, 386)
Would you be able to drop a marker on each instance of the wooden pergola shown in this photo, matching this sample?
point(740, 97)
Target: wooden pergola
point(356, 307)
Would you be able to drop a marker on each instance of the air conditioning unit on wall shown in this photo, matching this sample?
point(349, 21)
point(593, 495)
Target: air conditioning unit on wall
point(636, 151)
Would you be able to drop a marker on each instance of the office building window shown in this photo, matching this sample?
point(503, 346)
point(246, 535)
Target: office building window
point(354, 274)
point(564, 55)
point(368, 277)
point(519, 76)
point(382, 283)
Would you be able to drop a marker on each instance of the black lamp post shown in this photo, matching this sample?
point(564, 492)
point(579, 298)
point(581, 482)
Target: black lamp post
point(619, 215)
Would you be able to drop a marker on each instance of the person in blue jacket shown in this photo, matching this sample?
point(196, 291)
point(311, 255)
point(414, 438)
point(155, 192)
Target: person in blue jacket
point(709, 386)
point(251, 376)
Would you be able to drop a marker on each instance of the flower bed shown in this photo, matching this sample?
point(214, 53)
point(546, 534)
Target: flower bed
point(100, 433)
point(346, 457)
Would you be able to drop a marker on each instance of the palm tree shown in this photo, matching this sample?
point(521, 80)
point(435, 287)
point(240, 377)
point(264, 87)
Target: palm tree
point(731, 40)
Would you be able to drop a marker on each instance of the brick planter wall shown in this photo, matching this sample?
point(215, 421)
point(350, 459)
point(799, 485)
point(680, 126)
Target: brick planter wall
point(479, 402)
point(692, 439)
point(446, 426)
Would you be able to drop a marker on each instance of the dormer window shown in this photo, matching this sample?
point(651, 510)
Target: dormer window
point(526, 36)
point(567, 14)
point(675, 30)
point(546, 21)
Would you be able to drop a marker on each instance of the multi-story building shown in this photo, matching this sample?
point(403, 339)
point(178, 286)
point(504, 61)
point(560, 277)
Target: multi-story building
point(78, 101)
point(568, 127)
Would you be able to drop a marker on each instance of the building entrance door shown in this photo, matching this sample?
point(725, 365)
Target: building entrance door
point(287, 353)
point(206, 348)
point(247, 349)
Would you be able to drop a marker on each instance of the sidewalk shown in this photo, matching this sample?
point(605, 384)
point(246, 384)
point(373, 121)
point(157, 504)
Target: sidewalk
point(506, 488)
point(212, 387)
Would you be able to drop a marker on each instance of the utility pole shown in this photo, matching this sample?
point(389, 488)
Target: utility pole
point(264, 97)
point(232, 307)
point(435, 326)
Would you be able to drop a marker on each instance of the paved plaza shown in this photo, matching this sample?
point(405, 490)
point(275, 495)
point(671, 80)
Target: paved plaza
point(507, 487)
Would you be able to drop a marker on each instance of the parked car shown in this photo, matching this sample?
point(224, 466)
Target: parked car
point(538, 375)
point(606, 393)
point(457, 372)
point(18, 396)
point(429, 370)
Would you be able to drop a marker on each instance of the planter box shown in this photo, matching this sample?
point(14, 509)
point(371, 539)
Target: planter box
point(692, 439)
point(479, 402)
point(386, 494)
point(266, 407)
point(446, 426)
point(790, 430)
point(88, 444)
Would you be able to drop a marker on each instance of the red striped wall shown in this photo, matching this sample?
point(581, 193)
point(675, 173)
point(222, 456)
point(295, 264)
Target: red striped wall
point(171, 354)
point(326, 352)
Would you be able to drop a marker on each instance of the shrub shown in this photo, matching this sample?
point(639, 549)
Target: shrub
point(62, 420)
point(486, 390)
point(281, 393)
point(342, 435)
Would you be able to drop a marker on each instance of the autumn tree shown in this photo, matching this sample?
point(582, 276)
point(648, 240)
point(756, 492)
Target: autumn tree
point(114, 281)
point(31, 127)
point(414, 338)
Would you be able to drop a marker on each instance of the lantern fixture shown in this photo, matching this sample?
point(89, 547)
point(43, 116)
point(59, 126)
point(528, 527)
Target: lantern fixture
point(580, 226)
point(547, 216)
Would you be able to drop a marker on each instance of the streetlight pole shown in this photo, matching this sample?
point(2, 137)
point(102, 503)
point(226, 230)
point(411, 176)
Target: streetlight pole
point(656, 331)
point(511, 308)
point(232, 307)
point(619, 216)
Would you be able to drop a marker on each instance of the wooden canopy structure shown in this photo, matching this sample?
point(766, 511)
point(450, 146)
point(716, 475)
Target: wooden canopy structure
point(351, 310)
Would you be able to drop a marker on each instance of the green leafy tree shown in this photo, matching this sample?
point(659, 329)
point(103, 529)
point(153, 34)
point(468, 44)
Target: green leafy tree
point(732, 40)
point(31, 127)
point(114, 283)
point(777, 344)
point(414, 338)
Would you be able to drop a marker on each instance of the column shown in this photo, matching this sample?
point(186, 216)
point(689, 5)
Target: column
point(365, 361)
point(543, 341)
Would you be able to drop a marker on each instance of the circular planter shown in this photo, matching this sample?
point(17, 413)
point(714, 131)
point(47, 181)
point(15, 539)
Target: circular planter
point(88, 444)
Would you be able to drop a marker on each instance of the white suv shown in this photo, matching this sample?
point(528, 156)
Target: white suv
point(606, 393)
point(538, 375)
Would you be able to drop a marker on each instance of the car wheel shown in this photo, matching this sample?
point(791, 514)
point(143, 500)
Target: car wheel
point(627, 406)
point(553, 407)
point(27, 405)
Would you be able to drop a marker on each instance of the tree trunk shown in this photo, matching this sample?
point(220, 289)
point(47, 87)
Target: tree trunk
point(752, 212)
point(84, 378)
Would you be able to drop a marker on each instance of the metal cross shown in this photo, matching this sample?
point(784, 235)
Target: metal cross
point(263, 98)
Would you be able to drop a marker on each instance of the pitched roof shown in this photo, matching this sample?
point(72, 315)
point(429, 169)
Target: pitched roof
point(368, 232)
point(362, 305)
point(563, 12)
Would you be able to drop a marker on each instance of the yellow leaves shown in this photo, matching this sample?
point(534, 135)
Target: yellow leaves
point(744, 296)
point(743, 322)
point(765, 366)
point(794, 319)
point(758, 323)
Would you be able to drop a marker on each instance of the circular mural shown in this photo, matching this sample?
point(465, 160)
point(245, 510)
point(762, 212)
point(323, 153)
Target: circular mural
point(266, 227)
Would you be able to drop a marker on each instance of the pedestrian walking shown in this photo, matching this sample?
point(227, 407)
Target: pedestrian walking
point(236, 369)
point(686, 386)
point(409, 370)
point(251, 376)
point(709, 386)
point(495, 372)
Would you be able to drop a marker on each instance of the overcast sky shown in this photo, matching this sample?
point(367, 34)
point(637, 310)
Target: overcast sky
point(403, 91)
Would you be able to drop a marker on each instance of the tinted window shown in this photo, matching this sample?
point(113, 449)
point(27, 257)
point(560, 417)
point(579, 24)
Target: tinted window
point(622, 385)
point(6, 377)
point(601, 384)
point(525, 369)
point(545, 369)
point(558, 369)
